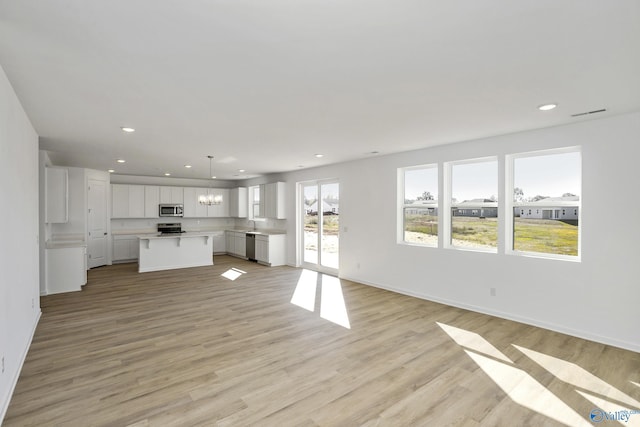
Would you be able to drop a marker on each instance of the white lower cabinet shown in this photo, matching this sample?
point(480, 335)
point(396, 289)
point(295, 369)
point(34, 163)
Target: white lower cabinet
point(219, 242)
point(125, 248)
point(236, 243)
point(270, 249)
point(66, 269)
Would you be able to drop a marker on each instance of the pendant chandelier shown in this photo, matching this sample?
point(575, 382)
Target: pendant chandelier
point(210, 198)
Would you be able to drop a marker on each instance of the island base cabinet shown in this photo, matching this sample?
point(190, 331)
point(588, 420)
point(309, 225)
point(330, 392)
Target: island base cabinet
point(168, 252)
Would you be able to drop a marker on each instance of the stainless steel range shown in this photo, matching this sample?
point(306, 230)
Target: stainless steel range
point(170, 228)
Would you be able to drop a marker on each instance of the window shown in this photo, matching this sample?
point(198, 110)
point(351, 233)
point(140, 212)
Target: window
point(254, 202)
point(420, 205)
point(474, 205)
point(550, 183)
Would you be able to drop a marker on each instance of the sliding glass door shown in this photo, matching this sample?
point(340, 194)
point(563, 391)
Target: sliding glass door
point(320, 225)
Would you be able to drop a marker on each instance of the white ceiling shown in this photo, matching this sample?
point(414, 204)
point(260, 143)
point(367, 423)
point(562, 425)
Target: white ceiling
point(263, 85)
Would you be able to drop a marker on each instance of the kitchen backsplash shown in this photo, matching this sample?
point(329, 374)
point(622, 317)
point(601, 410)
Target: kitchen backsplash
point(194, 224)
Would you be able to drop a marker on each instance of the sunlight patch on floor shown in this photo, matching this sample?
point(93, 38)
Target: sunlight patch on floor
point(305, 294)
point(607, 411)
point(523, 389)
point(233, 273)
point(332, 305)
point(577, 376)
point(473, 341)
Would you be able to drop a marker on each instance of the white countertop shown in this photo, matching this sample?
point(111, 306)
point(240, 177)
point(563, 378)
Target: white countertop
point(144, 233)
point(187, 234)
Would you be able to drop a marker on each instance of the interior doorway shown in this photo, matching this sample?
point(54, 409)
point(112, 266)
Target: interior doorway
point(320, 225)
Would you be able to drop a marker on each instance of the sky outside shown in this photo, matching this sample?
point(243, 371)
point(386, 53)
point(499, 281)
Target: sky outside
point(550, 175)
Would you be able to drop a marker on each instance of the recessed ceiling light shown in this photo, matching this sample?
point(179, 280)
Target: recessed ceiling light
point(213, 177)
point(375, 152)
point(300, 166)
point(319, 155)
point(167, 174)
point(111, 171)
point(121, 160)
point(187, 166)
point(547, 107)
point(241, 170)
point(128, 130)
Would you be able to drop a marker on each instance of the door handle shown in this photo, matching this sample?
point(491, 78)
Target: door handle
point(105, 234)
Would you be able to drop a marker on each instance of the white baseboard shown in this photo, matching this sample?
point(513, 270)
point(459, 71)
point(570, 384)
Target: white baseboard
point(16, 376)
point(510, 316)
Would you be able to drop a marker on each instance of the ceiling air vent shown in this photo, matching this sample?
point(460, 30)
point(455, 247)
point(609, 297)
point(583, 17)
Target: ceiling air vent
point(589, 112)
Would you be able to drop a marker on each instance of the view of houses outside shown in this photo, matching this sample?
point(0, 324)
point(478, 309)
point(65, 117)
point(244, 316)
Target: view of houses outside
point(420, 209)
point(326, 210)
point(474, 205)
point(547, 203)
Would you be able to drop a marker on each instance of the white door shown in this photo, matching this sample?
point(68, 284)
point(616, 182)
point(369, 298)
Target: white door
point(97, 221)
point(320, 226)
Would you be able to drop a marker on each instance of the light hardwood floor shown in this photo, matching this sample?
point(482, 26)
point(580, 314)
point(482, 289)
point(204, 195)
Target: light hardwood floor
point(190, 347)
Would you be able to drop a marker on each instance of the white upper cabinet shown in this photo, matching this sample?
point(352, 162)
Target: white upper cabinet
point(171, 195)
point(134, 201)
point(274, 200)
point(238, 202)
point(119, 201)
point(56, 195)
point(151, 201)
point(192, 208)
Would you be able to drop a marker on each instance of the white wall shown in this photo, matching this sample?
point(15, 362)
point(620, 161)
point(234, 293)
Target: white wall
point(596, 298)
point(19, 258)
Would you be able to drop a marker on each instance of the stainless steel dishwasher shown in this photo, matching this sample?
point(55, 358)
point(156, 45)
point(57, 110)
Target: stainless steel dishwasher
point(251, 246)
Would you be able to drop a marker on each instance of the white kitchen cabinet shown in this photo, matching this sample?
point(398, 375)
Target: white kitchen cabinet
point(219, 242)
point(151, 201)
point(192, 207)
point(125, 248)
point(270, 249)
point(221, 210)
point(66, 269)
point(273, 196)
point(129, 201)
point(171, 195)
point(238, 202)
point(236, 243)
point(56, 195)
point(230, 242)
point(240, 245)
point(119, 200)
point(136, 201)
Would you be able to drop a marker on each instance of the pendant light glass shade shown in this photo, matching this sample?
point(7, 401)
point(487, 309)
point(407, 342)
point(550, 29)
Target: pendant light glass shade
point(210, 199)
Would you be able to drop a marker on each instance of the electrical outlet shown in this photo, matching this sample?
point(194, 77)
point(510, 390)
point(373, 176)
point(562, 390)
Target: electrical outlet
point(3, 364)
point(492, 292)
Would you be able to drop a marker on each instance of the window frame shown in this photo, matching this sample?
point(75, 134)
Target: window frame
point(448, 205)
point(510, 204)
point(402, 206)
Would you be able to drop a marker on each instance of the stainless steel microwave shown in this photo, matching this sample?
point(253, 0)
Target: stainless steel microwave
point(172, 209)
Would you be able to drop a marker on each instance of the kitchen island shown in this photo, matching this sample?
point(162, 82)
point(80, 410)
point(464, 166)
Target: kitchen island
point(168, 252)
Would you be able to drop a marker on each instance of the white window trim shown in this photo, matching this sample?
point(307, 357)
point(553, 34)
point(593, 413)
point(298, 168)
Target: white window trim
point(448, 205)
point(402, 205)
point(509, 205)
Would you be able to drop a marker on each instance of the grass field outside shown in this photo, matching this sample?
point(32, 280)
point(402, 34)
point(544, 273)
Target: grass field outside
point(530, 235)
point(545, 236)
